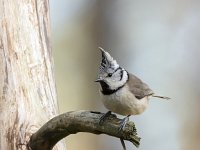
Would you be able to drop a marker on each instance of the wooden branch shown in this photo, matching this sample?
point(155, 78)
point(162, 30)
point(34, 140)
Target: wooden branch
point(80, 121)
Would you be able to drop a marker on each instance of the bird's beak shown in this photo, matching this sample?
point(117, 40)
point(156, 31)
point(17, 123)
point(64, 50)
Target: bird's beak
point(99, 79)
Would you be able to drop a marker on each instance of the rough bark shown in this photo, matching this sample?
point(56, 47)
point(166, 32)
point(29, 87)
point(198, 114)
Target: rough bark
point(27, 86)
point(80, 121)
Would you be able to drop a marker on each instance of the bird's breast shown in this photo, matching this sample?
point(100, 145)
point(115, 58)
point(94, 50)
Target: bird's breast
point(123, 102)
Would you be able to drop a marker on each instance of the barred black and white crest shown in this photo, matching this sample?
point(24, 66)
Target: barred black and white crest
point(108, 64)
point(111, 76)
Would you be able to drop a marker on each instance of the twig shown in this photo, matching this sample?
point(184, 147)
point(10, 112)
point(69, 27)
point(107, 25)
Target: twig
point(80, 121)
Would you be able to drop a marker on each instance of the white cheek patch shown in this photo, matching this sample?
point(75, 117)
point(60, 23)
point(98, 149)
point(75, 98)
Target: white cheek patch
point(114, 84)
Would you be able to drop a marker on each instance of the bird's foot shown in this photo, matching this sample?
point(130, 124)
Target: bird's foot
point(103, 117)
point(121, 128)
point(123, 123)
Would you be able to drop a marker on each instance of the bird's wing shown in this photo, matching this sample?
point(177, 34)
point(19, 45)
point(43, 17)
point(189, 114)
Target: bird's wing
point(138, 88)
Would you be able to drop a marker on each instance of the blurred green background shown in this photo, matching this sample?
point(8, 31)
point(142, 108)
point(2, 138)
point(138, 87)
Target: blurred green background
point(156, 40)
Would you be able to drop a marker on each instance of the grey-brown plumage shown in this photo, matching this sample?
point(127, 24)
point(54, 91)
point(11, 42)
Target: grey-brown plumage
point(138, 88)
point(122, 92)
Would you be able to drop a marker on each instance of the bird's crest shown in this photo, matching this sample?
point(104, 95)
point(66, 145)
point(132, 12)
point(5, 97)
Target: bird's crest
point(107, 61)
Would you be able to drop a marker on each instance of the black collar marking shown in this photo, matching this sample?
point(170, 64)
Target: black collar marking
point(106, 89)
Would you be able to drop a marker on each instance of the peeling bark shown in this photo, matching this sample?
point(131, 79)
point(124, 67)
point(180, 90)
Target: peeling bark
point(27, 87)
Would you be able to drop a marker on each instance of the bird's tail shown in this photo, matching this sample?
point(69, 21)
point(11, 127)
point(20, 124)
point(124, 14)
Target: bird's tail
point(162, 97)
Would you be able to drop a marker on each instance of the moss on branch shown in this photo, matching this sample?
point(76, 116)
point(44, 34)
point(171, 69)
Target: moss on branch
point(80, 121)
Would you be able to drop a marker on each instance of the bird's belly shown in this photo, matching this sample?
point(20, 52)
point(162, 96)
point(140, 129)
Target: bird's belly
point(124, 104)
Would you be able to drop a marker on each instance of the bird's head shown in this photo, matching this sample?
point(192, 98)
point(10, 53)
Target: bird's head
point(111, 75)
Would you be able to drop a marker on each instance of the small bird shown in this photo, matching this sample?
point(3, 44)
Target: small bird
point(122, 92)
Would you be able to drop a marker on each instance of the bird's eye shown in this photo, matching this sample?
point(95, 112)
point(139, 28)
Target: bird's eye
point(109, 74)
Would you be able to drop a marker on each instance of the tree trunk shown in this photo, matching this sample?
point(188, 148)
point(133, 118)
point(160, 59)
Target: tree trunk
point(27, 85)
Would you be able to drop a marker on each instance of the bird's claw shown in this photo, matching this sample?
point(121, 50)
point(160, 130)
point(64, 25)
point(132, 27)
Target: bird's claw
point(103, 117)
point(123, 123)
point(121, 128)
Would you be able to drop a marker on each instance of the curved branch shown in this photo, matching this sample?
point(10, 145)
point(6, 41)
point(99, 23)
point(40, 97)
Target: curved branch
point(80, 121)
